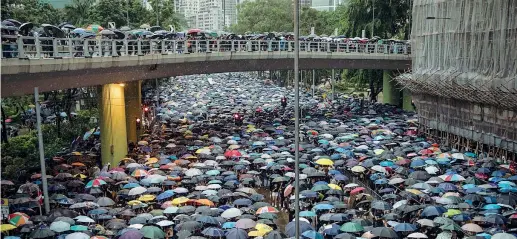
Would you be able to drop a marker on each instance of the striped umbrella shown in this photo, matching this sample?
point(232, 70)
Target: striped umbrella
point(266, 209)
point(139, 173)
point(94, 28)
point(18, 218)
point(95, 183)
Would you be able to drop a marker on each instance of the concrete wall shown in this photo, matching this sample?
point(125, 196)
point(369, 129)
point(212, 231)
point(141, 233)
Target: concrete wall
point(20, 76)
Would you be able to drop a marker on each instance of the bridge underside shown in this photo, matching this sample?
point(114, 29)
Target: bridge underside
point(23, 83)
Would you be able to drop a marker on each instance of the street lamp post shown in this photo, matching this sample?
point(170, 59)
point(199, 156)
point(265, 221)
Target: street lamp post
point(296, 118)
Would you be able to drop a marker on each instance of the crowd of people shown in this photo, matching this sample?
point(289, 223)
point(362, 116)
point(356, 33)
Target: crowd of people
point(219, 163)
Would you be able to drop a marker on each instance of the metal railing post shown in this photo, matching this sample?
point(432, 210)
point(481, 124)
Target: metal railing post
point(207, 46)
point(126, 47)
point(38, 47)
point(197, 46)
point(289, 46)
point(21, 53)
point(55, 51)
point(114, 48)
point(185, 46)
point(347, 48)
point(405, 50)
point(86, 53)
point(385, 48)
point(164, 52)
point(328, 47)
point(376, 48)
point(238, 45)
point(139, 47)
point(70, 47)
point(218, 45)
point(174, 46)
point(233, 46)
point(356, 48)
point(367, 47)
point(99, 47)
point(337, 46)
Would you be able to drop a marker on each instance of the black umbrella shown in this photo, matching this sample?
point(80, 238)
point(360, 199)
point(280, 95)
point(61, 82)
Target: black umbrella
point(507, 200)
point(384, 232)
point(42, 233)
point(25, 28)
point(53, 31)
point(16, 23)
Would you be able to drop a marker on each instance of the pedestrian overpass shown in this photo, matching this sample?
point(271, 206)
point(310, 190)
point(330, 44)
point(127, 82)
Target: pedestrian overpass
point(56, 64)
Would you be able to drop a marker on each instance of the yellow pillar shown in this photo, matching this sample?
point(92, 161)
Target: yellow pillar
point(133, 93)
point(113, 124)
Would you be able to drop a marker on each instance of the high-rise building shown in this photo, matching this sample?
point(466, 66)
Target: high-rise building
point(326, 5)
point(211, 15)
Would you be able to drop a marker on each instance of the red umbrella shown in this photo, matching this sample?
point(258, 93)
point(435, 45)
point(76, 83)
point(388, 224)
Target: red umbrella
point(357, 190)
point(425, 151)
point(232, 153)
point(403, 161)
point(194, 30)
point(9, 120)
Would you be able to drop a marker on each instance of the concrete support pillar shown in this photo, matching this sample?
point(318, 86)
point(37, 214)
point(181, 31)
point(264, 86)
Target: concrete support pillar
point(406, 100)
point(133, 95)
point(113, 124)
point(390, 91)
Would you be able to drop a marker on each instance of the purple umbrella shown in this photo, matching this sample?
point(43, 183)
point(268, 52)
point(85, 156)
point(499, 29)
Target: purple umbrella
point(132, 234)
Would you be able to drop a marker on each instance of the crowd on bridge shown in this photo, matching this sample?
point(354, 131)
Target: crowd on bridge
point(53, 41)
point(220, 163)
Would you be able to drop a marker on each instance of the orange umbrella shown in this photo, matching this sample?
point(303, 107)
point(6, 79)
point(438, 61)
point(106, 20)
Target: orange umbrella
point(205, 202)
point(78, 164)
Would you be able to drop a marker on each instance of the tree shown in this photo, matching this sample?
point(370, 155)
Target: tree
point(33, 11)
point(264, 16)
point(78, 12)
point(163, 13)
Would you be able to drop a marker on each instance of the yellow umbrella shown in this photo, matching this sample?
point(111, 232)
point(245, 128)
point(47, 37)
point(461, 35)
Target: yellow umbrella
point(358, 169)
point(378, 151)
point(134, 203)
point(191, 157)
point(179, 200)
point(452, 212)
point(77, 153)
point(203, 150)
point(6, 227)
point(152, 160)
point(324, 162)
point(146, 198)
point(414, 191)
point(263, 227)
point(256, 233)
point(234, 146)
point(334, 186)
point(81, 176)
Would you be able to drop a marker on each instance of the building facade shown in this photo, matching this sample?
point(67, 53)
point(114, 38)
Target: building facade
point(212, 15)
point(324, 5)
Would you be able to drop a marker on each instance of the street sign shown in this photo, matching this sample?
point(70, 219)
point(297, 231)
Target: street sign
point(4, 208)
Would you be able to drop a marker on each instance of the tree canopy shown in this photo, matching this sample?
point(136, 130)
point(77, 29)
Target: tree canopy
point(84, 12)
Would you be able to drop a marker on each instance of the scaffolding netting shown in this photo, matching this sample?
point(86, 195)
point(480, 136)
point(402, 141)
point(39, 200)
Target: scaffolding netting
point(465, 49)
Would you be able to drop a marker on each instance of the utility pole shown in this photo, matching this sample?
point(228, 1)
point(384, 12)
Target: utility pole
point(373, 15)
point(41, 153)
point(127, 13)
point(297, 118)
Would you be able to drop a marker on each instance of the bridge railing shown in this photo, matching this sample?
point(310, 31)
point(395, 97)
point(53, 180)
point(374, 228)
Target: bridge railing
point(46, 47)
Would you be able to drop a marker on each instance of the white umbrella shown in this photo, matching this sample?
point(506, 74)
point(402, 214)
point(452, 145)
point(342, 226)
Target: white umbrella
point(193, 172)
point(213, 186)
point(60, 226)
point(426, 222)
point(180, 190)
point(164, 223)
point(399, 203)
point(77, 235)
point(137, 191)
point(458, 156)
point(136, 226)
point(417, 235)
point(231, 213)
point(379, 168)
point(84, 219)
point(200, 188)
point(432, 170)
point(134, 165)
point(503, 236)
point(396, 181)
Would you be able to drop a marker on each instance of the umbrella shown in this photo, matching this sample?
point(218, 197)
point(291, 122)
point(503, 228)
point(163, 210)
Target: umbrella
point(152, 232)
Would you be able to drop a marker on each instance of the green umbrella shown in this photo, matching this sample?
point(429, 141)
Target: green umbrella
point(451, 227)
point(320, 187)
point(60, 226)
point(352, 227)
point(152, 232)
point(156, 212)
point(79, 228)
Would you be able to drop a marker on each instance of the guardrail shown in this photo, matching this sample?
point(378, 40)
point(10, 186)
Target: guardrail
point(55, 48)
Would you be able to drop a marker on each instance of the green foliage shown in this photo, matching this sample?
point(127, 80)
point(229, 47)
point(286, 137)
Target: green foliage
point(22, 151)
point(31, 11)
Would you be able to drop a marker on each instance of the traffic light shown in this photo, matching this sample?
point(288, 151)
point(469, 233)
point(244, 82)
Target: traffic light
point(138, 124)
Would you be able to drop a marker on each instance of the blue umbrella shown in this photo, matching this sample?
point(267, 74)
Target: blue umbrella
point(165, 195)
point(290, 228)
point(208, 220)
point(417, 163)
point(461, 217)
point(331, 230)
point(386, 163)
point(404, 227)
point(483, 170)
point(131, 185)
point(448, 186)
point(229, 225)
point(213, 232)
point(340, 177)
point(433, 211)
point(242, 202)
point(381, 181)
point(323, 206)
point(491, 207)
point(236, 233)
point(312, 234)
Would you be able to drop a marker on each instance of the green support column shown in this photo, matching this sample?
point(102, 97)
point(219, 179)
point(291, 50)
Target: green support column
point(406, 100)
point(133, 95)
point(113, 124)
point(390, 92)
